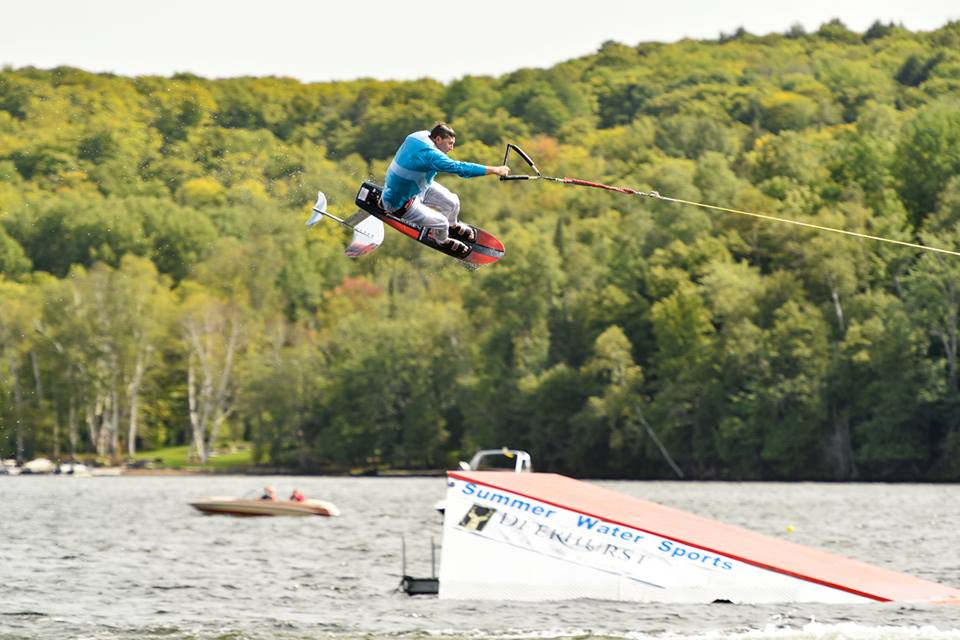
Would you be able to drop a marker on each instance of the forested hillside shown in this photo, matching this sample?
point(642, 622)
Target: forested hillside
point(159, 286)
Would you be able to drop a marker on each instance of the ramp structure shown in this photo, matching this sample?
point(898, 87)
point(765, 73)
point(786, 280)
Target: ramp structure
point(540, 536)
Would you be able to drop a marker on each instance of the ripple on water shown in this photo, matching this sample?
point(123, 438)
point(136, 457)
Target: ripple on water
point(118, 558)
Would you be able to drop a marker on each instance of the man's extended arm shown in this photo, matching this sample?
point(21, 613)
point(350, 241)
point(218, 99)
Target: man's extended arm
point(440, 161)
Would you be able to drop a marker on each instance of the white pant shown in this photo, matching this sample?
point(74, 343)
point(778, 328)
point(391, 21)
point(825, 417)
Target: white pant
point(437, 210)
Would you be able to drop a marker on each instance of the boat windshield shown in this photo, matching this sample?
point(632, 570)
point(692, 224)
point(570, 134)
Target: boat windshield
point(501, 460)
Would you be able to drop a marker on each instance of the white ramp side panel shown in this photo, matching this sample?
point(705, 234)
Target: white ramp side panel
point(530, 536)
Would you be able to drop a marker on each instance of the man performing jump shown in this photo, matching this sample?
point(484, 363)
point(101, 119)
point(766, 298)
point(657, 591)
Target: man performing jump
point(411, 193)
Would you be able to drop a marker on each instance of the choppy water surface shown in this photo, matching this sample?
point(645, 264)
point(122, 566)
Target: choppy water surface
point(127, 557)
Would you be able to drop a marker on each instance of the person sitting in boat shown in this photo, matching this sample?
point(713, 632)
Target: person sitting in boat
point(296, 496)
point(268, 494)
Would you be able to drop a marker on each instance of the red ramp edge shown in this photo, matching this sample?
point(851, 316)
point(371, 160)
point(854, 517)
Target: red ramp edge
point(788, 558)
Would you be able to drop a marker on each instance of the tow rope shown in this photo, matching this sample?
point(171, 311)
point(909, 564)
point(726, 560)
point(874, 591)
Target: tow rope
point(654, 194)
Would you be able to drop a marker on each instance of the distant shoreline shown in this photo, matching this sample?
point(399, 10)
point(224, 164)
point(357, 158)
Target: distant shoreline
point(436, 473)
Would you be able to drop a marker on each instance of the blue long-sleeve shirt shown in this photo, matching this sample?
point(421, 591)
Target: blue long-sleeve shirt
point(417, 162)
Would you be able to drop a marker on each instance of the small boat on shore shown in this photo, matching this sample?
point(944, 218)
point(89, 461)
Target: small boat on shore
point(9, 468)
point(253, 507)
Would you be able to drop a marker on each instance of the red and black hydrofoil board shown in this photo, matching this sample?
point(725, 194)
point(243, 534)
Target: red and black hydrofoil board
point(485, 249)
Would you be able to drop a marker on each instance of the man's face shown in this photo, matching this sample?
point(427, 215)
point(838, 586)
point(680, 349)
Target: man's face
point(445, 144)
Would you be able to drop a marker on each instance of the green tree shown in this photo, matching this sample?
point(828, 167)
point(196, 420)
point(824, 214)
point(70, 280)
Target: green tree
point(787, 110)
point(685, 340)
point(16, 344)
point(214, 334)
point(13, 259)
point(927, 156)
point(383, 128)
point(889, 385)
point(794, 401)
point(611, 422)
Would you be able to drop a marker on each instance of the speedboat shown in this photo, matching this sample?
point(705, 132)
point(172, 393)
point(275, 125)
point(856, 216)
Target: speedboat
point(252, 507)
point(502, 459)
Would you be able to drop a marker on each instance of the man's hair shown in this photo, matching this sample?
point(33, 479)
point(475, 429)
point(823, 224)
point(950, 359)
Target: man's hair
point(442, 130)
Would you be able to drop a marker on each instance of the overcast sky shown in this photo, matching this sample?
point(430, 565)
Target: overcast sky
point(323, 40)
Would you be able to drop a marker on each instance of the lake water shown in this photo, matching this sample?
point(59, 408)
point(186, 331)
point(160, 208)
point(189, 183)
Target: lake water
point(125, 558)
